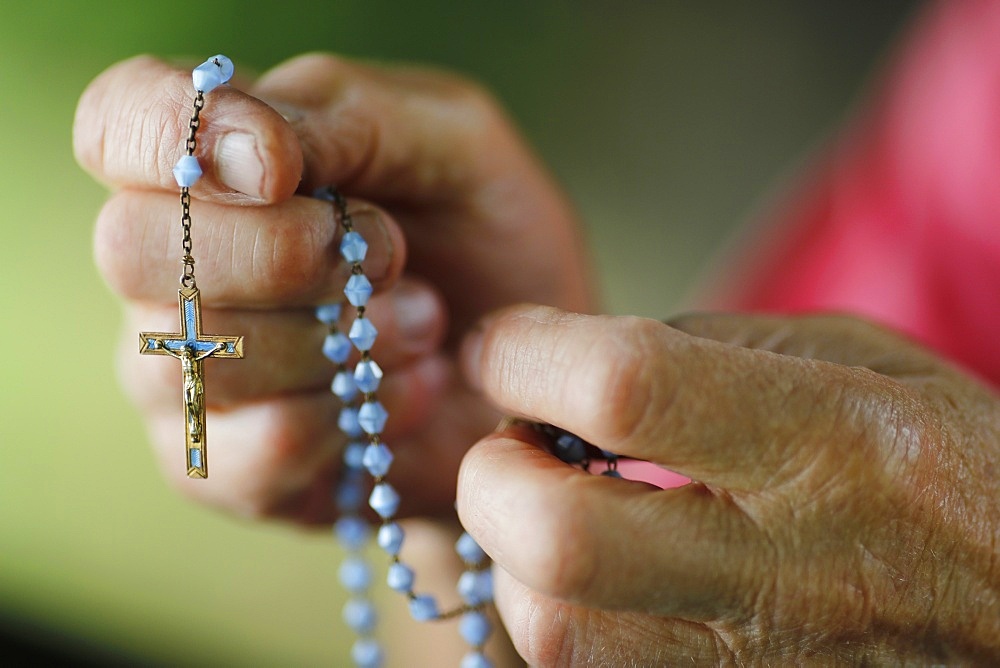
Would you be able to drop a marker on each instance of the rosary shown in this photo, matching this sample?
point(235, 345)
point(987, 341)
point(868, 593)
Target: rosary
point(361, 419)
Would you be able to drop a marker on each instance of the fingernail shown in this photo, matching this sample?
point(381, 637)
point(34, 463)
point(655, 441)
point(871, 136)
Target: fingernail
point(471, 354)
point(238, 163)
point(417, 312)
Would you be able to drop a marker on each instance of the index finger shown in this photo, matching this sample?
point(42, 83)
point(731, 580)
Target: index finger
point(715, 412)
point(131, 125)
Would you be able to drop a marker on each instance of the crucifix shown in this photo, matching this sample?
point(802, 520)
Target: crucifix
point(191, 347)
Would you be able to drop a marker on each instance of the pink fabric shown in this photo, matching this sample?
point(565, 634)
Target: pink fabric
point(900, 221)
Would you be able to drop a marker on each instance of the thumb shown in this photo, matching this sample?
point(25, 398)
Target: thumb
point(131, 125)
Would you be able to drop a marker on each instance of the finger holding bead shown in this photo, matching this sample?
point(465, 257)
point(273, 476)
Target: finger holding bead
point(640, 388)
point(570, 535)
point(131, 127)
point(279, 256)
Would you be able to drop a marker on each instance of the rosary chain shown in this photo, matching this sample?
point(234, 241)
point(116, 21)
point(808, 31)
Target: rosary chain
point(187, 278)
point(340, 204)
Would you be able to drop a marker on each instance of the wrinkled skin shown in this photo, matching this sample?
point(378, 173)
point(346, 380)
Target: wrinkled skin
point(439, 184)
point(846, 508)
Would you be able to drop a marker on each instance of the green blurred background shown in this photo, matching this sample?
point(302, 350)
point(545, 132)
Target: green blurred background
point(665, 121)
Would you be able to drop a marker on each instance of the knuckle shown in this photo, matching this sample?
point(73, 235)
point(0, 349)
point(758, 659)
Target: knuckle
point(288, 261)
point(630, 393)
point(563, 558)
point(114, 243)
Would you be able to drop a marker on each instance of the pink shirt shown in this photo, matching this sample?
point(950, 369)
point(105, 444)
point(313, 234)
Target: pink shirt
point(899, 220)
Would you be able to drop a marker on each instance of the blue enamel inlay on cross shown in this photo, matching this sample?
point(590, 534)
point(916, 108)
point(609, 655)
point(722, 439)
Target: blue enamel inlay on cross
point(195, 456)
point(190, 334)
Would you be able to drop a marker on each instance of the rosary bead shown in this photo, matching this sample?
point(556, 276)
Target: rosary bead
point(343, 386)
point(328, 314)
point(468, 549)
point(355, 574)
point(225, 65)
point(206, 77)
point(377, 459)
point(352, 532)
point(360, 615)
point(367, 653)
point(384, 500)
point(367, 376)
point(399, 577)
point(337, 348)
point(475, 628)
point(476, 587)
point(353, 247)
point(362, 334)
point(354, 455)
point(423, 608)
point(476, 660)
point(350, 493)
point(358, 290)
point(187, 171)
point(348, 421)
point(570, 448)
point(390, 538)
point(372, 417)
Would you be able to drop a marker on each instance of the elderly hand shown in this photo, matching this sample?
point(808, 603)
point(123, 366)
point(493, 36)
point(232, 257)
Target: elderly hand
point(846, 509)
point(434, 171)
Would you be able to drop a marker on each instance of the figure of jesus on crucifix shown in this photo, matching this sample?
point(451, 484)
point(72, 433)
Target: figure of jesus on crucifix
point(194, 386)
point(192, 347)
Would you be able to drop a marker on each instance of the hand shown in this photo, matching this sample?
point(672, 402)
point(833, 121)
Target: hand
point(846, 508)
point(435, 172)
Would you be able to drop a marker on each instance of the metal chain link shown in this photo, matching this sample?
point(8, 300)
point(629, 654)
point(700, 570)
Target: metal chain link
point(187, 278)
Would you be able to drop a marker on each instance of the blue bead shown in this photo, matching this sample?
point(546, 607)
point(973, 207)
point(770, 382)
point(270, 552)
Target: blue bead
point(363, 334)
point(355, 574)
point(390, 538)
point(207, 77)
point(423, 608)
point(475, 628)
point(399, 577)
point(367, 653)
point(350, 494)
point(328, 313)
point(570, 448)
point(354, 455)
point(377, 459)
point(611, 473)
point(476, 587)
point(353, 247)
point(352, 532)
point(187, 171)
point(372, 417)
point(475, 660)
point(358, 290)
point(343, 386)
point(337, 348)
point(348, 421)
point(225, 65)
point(367, 376)
point(468, 549)
point(384, 500)
point(360, 615)
point(324, 193)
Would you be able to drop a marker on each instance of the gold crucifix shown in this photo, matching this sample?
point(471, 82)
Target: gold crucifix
point(191, 347)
